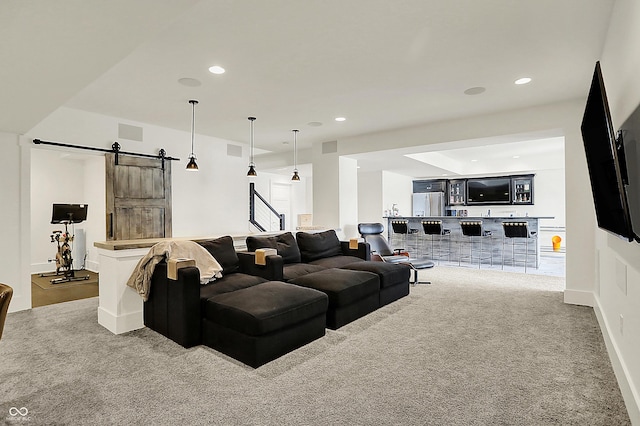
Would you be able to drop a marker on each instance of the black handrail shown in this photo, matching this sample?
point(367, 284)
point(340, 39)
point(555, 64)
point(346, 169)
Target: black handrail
point(252, 209)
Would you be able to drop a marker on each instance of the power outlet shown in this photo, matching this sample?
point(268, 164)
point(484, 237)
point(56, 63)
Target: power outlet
point(621, 325)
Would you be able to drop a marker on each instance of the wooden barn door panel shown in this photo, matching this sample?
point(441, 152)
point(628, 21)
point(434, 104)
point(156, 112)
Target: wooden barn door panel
point(138, 198)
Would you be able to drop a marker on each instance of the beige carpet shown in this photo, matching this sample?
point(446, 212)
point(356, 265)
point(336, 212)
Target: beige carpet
point(476, 347)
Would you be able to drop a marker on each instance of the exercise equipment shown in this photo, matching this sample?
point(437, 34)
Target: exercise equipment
point(65, 214)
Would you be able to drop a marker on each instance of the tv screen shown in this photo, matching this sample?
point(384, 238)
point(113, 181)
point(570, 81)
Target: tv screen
point(610, 201)
point(628, 147)
point(69, 213)
point(489, 191)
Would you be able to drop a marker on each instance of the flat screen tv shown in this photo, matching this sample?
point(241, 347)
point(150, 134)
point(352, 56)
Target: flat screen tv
point(69, 213)
point(489, 191)
point(628, 149)
point(598, 135)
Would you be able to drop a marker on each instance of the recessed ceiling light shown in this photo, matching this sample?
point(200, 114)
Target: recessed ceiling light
point(190, 82)
point(216, 69)
point(516, 156)
point(314, 124)
point(523, 80)
point(340, 119)
point(473, 161)
point(475, 90)
point(444, 174)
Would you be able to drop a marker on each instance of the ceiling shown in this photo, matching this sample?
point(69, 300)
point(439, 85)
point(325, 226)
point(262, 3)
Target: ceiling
point(380, 64)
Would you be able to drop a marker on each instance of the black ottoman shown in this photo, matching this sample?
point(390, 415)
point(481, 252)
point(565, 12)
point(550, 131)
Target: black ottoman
point(258, 324)
point(394, 278)
point(352, 294)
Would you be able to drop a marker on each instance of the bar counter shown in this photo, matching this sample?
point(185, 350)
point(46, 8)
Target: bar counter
point(459, 248)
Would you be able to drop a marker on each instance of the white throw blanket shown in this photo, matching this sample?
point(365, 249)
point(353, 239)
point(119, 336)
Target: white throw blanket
point(140, 279)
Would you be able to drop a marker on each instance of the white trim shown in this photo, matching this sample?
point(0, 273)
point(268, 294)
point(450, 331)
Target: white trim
point(122, 323)
point(578, 297)
point(629, 392)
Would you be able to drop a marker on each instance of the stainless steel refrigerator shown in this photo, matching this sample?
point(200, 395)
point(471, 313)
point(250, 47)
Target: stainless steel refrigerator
point(428, 204)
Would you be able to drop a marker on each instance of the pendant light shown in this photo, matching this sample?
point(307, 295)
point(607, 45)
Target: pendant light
point(192, 166)
point(295, 155)
point(252, 166)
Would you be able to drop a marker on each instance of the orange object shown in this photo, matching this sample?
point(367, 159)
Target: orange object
point(556, 240)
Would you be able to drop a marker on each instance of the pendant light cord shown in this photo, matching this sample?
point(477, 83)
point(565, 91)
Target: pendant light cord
point(193, 123)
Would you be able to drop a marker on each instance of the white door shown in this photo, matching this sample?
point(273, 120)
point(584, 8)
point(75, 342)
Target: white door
point(281, 201)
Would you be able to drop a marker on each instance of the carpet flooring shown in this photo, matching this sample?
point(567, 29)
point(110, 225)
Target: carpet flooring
point(473, 348)
point(43, 292)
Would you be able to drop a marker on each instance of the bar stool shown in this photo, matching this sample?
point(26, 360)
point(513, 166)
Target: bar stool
point(474, 233)
point(433, 228)
point(401, 227)
point(517, 234)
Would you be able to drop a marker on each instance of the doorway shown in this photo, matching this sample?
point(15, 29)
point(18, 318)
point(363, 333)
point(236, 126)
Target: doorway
point(64, 177)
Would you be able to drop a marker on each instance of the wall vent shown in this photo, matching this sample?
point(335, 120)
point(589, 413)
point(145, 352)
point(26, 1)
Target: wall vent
point(132, 133)
point(329, 147)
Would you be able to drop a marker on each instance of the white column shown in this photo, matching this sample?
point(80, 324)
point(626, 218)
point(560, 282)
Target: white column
point(120, 308)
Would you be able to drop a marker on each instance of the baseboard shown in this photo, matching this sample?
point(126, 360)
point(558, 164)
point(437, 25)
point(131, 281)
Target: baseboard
point(578, 297)
point(628, 390)
point(41, 268)
point(120, 324)
point(92, 266)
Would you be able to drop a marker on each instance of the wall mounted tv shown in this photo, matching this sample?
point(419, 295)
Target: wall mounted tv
point(604, 157)
point(489, 191)
point(628, 148)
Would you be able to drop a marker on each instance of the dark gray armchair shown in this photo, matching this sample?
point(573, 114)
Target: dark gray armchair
point(372, 234)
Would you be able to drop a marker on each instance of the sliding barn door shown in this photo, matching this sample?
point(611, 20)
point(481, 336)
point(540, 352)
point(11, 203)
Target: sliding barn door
point(138, 197)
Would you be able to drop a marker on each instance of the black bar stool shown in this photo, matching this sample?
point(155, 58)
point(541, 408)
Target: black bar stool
point(473, 232)
point(433, 228)
point(401, 227)
point(517, 234)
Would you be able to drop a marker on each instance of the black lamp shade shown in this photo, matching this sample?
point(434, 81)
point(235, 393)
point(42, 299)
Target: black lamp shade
point(192, 164)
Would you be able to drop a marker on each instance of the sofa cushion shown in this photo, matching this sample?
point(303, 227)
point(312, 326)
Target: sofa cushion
point(335, 261)
point(224, 252)
point(229, 283)
point(390, 273)
point(284, 243)
point(265, 308)
point(343, 287)
point(318, 245)
point(295, 270)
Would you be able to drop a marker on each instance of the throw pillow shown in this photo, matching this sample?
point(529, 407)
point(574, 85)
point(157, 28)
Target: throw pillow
point(318, 245)
point(285, 244)
point(224, 252)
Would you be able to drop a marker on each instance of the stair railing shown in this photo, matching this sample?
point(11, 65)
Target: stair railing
point(261, 212)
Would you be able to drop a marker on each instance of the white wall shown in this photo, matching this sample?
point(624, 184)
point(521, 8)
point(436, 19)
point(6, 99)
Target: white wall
point(210, 202)
point(370, 204)
point(397, 189)
point(617, 298)
point(14, 253)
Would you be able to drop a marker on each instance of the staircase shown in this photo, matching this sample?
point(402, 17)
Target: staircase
point(261, 214)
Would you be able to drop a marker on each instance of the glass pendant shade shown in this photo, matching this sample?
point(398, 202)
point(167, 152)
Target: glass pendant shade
point(252, 166)
point(192, 165)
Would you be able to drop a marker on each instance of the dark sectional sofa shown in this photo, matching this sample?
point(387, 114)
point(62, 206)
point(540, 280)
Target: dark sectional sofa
point(256, 313)
point(309, 253)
